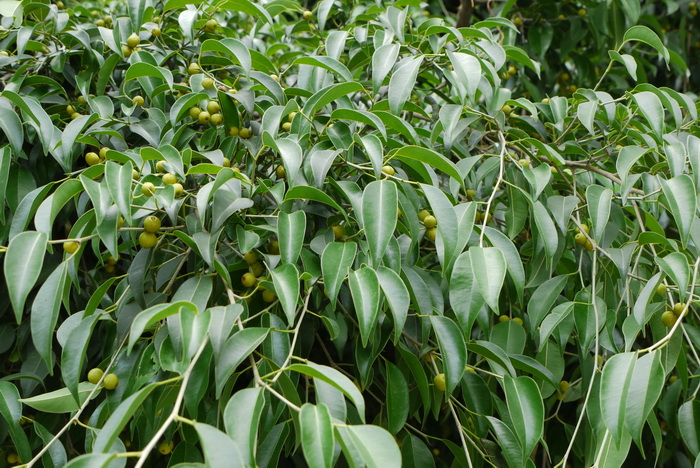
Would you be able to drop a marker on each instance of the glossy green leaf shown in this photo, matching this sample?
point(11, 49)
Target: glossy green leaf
point(526, 411)
point(491, 265)
point(380, 212)
point(364, 286)
point(286, 281)
point(452, 350)
point(317, 438)
point(23, 261)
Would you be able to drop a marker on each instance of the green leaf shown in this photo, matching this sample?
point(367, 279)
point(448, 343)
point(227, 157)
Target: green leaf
point(375, 446)
point(380, 214)
point(75, 352)
point(628, 156)
point(491, 265)
point(290, 231)
point(141, 69)
point(652, 110)
point(544, 297)
point(59, 401)
point(119, 179)
point(364, 286)
point(336, 379)
point(430, 157)
point(235, 350)
point(546, 230)
point(689, 425)
point(682, 202)
point(230, 47)
point(11, 125)
point(645, 388)
point(675, 265)
point(317, 439)
point(336, 260)
point(402, 82)
point(11, 411)
point(599, 201)
point(452, 350)
point(614, 389)
point(286, 281)
point(327, 63)
point(311, 193)
point(396, 295)
point(241, 419)
point(44, 316)
point(155, 314)
point(219, 449)
point(383, 60)
point(397, 401)
point(647, 36)
point(23, 261)
point(516, 271)
point(526, 411)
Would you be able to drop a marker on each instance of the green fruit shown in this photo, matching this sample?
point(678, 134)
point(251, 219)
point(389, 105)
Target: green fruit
point(257, 268)
point(110, 382)
point(204, 117)
point(518, 320)
point(678, 308)
point(564, 386)
point(70, 110)
point(160, 166)
point(164, 448)
point(471, 193)
point(156, 32)
point(287, 126)
point(133, 40)
point(431, 234)
point(211, 25)
point(245, 133)
point(233, 131)
point(291, 115)
point(439, 382)
point(213, 107)
point(503, 318)
point(179, 189)
point(338, 232)
point(126, 51)
point(281, 172)
point(668, 318)
point(138, 101)
point(250, 257)
point(194, 68)
point(151, 224)
point(588, 246)
point(92, 158)
point(512, 70)
point(506, 110)
point(207, 83)
point(216, 119)
point(75, 115)
point(95, 375)
point(71, 247)
point(148, 189)
point(273, 247)
point(226, 163)
point(103, 152)
point(430, 221)
point(580, 239)
point(169, 179)
point(249, 280)
point(388, 170)
point(422, 215)
point(661, 289)
point(148, 240)
point(308, 15)
point(268, 296)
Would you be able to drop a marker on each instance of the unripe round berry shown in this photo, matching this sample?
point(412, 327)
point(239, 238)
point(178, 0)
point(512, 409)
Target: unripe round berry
point(71, 247)
point(388, 170)
point(92, 158)
point(211, 25)
point(103, 152)
point(133, 40)
point(518, 320)
point(668, 318)
point(126, 51)
point(148, 189)
point(249, 280)
point(193, 68)
point(95, 375)
point(580, 238)
point(245, 133)
point(81, 100)
point(216, 119)
point(430, 221)
point(661, 289)
point(678, 308)
point(431, 234)
point(338, 232)
point(194, 112)
point(588, 246)
point(151, 224)
point(75, 115)
point(281, 172)
point(169, 179)
point(204, 117)
point(226, 162)
point(70, 110)
point(179, 189)
point(257, 268)
point(250, 257)
point(213, 107)
point(110, 382)
point(207, 83)
point(422, 215)
point(506, 110)
point(273, 247)
point(287, 126)
point(308, 15)
point(148, 240)
point(439, 382)
point(268, 296)
point(503, 318)
point(233, 131)
point(156, 32)
point(160, 166)
point(564, 386)
point(138, 101)
point(164, 448)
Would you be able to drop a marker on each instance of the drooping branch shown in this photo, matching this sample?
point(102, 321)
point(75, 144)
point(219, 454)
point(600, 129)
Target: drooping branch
point(464, 14)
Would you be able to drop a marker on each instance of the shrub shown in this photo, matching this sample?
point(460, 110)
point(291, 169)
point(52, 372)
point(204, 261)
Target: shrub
point(257, 234)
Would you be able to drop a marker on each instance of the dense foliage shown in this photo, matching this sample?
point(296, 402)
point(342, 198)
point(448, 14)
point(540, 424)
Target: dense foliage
point(240, 233)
